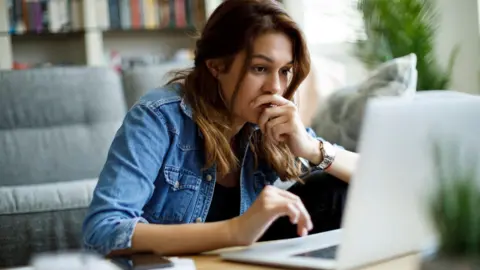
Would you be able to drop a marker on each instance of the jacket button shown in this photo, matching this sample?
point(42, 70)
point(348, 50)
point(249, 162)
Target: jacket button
point(209, 178)
point(198, 220)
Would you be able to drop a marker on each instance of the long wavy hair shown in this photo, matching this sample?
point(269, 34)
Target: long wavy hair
point(231, 29)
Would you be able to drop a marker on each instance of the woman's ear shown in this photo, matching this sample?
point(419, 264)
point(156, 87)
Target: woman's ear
point(214, 66)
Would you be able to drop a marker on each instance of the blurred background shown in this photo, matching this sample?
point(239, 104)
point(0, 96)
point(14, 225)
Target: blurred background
point(124, 33)
point(70, 70)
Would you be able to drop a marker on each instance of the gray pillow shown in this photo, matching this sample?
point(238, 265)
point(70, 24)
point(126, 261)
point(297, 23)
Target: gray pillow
point(339, 119)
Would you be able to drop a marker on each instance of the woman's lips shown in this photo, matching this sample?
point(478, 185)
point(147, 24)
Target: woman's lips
point(264, 106)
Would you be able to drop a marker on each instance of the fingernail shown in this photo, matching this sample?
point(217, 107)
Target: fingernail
point(304, 232)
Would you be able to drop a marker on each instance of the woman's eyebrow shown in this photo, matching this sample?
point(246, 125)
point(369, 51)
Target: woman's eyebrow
point(266, 58)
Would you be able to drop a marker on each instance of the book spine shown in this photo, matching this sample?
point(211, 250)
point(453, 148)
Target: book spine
point(149, 12)
point(180, 19)
point(125, 14)
point(76, 11)
point(135, 11)
point(12, 19)
point(18, 13)
point(44, 14)
point(26, 14)
point(172, 20)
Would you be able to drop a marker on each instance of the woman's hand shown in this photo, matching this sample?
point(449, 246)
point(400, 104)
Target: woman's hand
point(271, 204)
point(281, 123)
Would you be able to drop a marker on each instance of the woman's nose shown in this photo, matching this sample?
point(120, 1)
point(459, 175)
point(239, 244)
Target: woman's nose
point(273, 85)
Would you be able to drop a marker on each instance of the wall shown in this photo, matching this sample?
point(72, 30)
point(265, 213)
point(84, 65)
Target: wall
point(459, 24)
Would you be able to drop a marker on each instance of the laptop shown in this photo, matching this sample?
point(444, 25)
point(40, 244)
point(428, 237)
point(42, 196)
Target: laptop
point(386, 213)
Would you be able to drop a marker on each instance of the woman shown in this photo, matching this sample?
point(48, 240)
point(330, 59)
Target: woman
point(191, 167)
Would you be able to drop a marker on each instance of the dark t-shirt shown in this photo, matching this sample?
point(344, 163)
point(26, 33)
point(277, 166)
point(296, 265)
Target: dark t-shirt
point(225, 203)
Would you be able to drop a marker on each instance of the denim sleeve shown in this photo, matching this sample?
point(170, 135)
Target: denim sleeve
point(126, 181)
point(313, 134)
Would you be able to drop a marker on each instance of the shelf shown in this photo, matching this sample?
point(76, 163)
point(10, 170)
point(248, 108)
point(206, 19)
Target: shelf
point(83, 31)
point(97, 35)
point(39, 36)
point(34, 50)
point(151, 30)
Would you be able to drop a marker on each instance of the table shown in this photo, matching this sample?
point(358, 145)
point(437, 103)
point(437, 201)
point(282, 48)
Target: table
point(213, 262)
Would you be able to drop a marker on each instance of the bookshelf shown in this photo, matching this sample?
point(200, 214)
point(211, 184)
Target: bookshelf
point(88, 32)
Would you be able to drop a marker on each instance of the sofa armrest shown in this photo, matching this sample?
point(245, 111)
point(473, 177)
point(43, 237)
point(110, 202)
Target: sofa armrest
point(42, 218)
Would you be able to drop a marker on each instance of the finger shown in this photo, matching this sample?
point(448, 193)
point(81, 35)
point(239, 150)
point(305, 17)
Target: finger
point(304, 222)
point(288, 204)
point(282, 206)
point(287, 194)
point(297, 216)
point(269, 98)
point(281, 129)
point(274, 122)
point(305, 218)
point(292, 211)
point(269, 113)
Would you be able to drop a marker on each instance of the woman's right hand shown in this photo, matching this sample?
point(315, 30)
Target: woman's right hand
point(271, 204)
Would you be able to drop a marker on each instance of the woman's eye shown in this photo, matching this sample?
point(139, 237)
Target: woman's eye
point(286, 71)
point(259, 69)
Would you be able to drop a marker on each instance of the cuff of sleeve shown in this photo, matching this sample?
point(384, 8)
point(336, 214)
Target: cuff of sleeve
point(122, 232)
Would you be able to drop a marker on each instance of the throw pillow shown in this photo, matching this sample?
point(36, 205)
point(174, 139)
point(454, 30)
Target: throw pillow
point(339, 119)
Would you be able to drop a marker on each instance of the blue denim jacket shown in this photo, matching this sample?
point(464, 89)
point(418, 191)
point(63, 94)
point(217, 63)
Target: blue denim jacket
point(153, 173)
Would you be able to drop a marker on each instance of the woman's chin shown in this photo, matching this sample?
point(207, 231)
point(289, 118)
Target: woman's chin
point(253, 119)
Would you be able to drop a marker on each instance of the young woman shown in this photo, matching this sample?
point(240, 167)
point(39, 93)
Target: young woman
point(191, 169)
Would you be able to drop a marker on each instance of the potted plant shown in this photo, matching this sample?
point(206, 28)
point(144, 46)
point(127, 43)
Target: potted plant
point(455, 212)
point(394, 28)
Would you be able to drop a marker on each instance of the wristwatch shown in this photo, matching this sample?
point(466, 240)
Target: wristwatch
point(328, 153)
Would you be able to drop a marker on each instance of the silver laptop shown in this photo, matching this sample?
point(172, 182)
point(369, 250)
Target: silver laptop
point(385, 215)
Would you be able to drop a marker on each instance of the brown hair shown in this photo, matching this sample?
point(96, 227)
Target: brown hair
point(232, 28)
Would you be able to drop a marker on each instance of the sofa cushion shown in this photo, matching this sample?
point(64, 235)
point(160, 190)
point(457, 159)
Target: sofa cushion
point(139, 80)
point(27, 199)
point(339, 118)
point(56, 124)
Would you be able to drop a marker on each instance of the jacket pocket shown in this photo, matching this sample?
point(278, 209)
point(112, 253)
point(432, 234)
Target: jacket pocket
point(179, 195)
point(180, 179)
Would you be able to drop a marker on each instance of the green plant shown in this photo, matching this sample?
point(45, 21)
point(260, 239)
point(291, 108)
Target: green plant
point(455, 203)
point(395, 28)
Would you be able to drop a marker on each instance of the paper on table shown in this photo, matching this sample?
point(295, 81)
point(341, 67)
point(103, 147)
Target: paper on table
point(181, 264)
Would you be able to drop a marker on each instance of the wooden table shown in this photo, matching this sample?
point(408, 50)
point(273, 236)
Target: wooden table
point(213, 262)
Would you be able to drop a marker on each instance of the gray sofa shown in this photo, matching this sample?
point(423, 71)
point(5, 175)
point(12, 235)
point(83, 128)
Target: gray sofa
point(56, 126)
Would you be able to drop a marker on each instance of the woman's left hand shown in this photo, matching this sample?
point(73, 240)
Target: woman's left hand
point(281, 123)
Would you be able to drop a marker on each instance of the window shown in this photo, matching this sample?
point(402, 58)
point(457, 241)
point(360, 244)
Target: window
point(331, 21)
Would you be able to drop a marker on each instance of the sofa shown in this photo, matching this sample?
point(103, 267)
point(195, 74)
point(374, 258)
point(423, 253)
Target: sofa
point(56, 126)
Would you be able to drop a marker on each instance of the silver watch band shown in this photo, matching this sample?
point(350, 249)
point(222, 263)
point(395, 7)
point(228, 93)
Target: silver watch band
point(329, 152)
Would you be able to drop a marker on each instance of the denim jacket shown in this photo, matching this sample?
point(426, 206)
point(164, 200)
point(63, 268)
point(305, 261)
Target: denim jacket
point(154, 173)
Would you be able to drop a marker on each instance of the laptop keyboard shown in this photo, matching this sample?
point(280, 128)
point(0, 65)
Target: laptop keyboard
point(323, 253)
